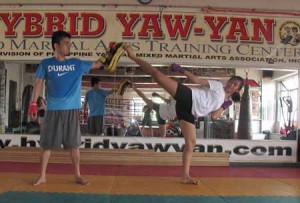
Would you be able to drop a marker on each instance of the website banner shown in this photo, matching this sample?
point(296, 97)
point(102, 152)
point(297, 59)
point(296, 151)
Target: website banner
point(276, 151)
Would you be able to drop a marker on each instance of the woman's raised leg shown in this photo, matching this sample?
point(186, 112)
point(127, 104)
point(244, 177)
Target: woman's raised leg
point(164, 81)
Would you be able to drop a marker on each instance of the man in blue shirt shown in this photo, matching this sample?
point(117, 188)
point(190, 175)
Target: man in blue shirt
point(63, 81)
point(95, 99)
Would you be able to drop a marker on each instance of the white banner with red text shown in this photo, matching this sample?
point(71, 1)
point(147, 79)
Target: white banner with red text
point(183, 37)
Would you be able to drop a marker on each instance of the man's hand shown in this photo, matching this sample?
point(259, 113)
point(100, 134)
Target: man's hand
point(132, 85)
point(129, 51)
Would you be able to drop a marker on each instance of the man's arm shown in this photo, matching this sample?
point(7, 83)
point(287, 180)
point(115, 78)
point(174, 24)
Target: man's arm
point(38, 86)
point(85, 113)
point(154, 94)
point(146, 100)
point(96, 64)
point(85, 105)
point(37, 89)
point(112, 91)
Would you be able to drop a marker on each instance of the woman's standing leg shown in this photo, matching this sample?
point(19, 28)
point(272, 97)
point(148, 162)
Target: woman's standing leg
point(188, 129)
point(189, 133)
point(162, 130)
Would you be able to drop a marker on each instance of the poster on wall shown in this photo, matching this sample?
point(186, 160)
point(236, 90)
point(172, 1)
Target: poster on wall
point(255, 94)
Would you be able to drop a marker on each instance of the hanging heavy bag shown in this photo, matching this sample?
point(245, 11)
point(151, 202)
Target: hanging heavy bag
point(245, 118)
point(26, 98)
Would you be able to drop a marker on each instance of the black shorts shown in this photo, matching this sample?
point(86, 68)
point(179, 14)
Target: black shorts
point(95, 125)
point(184, 103)
point(160, 121)
point(147, 121)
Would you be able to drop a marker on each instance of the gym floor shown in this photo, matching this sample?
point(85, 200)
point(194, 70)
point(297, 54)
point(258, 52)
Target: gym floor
point(141, 184)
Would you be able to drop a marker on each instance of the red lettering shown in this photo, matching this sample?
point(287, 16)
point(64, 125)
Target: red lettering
point(88, 20)
point(238, 26)
point(73, 23)
point(11, 23)
point(151, 23)
point(238, 29)
point(54, 22)
point(216, 27)
point(179, 25)
point(33, 26)
point(258, 29)
point(87, 24)
point(128, 24)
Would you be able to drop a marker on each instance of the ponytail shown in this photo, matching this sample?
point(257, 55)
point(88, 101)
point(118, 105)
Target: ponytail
point(236, 97)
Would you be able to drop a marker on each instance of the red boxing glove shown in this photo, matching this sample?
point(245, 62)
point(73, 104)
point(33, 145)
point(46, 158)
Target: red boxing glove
point(226, 104)
point(32, 109)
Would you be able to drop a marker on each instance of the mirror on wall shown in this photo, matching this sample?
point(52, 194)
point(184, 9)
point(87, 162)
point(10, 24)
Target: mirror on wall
point(273, 105)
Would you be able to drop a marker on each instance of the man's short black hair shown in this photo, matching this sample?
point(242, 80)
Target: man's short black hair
point(94, 80)
point(58, 36)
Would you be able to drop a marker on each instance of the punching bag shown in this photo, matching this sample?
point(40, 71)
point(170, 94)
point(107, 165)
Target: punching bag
point(26, 98)
point(2, 96)
point(245, 118)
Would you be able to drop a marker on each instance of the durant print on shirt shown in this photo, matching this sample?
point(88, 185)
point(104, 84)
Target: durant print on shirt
point(61, 68)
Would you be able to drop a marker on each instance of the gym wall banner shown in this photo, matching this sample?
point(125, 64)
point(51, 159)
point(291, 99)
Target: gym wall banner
point(274, 151)
point(182, 37)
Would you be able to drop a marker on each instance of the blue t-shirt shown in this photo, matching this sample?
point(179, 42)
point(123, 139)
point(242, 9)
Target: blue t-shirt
point(96, 101)
point(63, 81)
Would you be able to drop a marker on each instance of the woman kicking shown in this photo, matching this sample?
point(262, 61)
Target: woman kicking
point(191, 103)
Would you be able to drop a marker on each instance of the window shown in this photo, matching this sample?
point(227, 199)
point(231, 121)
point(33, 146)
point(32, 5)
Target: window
point(288, 102)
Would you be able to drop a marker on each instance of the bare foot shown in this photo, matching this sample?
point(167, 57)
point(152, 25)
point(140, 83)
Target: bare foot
point(39, 181)
point(190, 181)
point(81, 181)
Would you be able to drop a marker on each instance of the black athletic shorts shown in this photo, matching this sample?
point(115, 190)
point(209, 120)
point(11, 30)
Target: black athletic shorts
point(95, 125)
point(184, 103)
point(160, 121)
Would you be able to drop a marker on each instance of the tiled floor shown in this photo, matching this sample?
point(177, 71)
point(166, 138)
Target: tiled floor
point(114, 184)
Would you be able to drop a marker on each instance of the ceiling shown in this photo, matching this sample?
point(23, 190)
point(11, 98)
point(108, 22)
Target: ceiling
point(271, 5)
